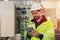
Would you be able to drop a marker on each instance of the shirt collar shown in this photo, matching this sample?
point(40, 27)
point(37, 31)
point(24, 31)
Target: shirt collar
point(43, 19)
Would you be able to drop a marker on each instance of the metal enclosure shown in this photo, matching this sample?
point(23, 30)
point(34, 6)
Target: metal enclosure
point(7, 19)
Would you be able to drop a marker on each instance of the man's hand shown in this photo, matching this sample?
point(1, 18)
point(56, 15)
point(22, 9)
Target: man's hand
point(34, 33)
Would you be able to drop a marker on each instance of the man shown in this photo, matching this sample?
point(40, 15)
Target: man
point(43, 27)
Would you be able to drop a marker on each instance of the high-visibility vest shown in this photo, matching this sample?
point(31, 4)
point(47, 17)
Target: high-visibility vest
point(46, 28)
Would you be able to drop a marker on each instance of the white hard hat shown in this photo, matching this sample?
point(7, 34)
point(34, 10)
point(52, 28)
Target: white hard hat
point(35, 6)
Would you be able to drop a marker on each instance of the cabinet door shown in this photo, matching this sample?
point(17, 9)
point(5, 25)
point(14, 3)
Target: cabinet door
point(7, 12)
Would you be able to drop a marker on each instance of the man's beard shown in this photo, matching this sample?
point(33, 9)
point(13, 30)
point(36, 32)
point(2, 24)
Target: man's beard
point(36, 18)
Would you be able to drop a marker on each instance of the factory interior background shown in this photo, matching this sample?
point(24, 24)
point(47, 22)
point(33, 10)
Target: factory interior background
point(15, 14)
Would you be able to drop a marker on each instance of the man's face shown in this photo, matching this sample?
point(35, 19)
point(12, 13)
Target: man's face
point(36, 14)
